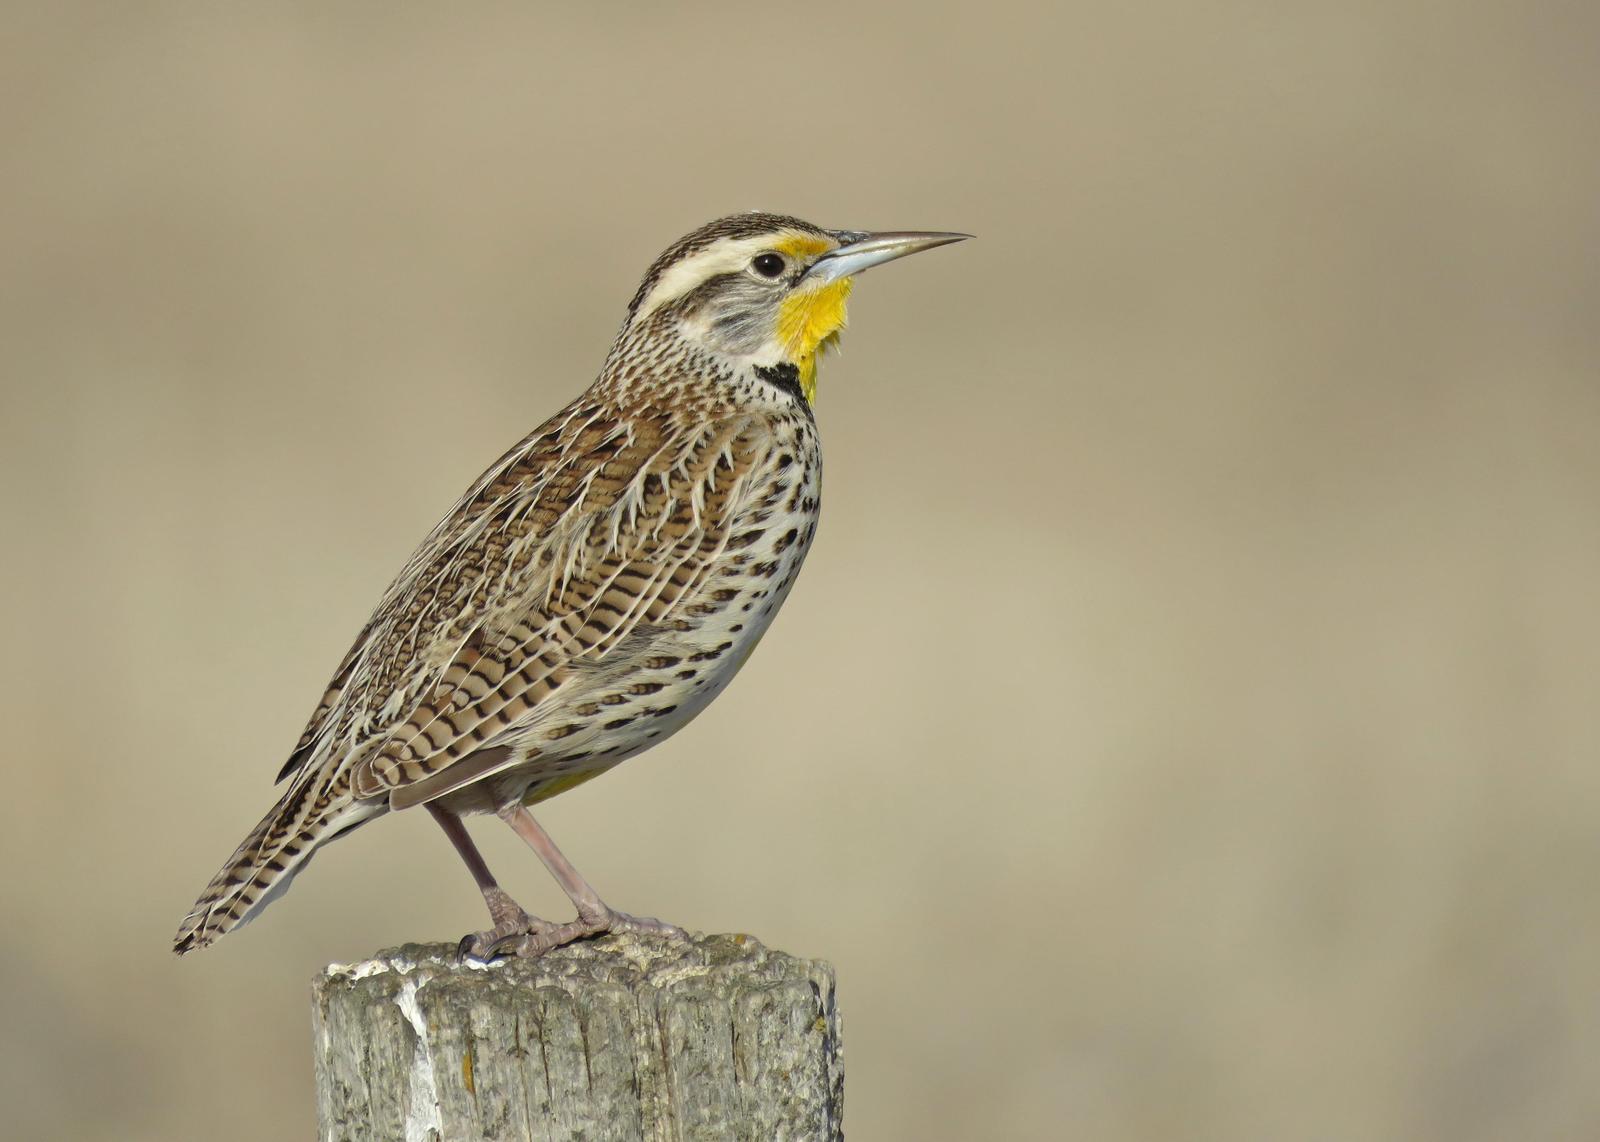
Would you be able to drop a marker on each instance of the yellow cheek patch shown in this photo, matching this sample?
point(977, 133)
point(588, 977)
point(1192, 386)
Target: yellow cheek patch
point(809, 321)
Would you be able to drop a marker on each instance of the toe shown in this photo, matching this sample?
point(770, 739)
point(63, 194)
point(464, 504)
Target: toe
point(513, 944)
point(540, 939)
point(645, 925)
point(481, 946)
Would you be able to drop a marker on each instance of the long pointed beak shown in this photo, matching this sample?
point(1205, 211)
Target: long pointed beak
point(863, 251)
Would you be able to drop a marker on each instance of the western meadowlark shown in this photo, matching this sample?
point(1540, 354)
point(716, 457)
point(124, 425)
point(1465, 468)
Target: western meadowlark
point(594, 589)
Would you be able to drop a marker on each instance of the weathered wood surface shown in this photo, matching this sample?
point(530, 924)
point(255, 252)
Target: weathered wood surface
point(618, 1038)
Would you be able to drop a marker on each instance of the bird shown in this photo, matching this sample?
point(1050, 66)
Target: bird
point(593, 590)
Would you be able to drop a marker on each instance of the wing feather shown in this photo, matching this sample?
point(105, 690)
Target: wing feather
point(587, 533)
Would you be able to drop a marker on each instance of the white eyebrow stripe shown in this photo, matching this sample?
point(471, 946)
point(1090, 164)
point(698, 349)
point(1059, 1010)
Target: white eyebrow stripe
point(724, 256)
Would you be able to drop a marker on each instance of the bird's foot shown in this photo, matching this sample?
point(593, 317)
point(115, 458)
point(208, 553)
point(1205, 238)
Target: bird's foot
point(542, 936)
point(510, 920)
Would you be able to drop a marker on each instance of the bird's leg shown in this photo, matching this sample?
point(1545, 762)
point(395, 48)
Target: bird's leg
point(594, 915)
point(508, 916)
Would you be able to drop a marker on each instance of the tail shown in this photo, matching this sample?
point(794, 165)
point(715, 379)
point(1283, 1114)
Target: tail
point(308, 816)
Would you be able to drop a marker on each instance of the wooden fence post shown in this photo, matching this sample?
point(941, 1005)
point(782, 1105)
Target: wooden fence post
point(619, 1038)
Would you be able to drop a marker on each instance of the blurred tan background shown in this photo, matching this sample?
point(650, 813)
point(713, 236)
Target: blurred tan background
point(1185, 727)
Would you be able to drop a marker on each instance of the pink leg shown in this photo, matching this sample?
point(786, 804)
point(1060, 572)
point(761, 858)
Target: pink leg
point(508, 916)
point(594, 915)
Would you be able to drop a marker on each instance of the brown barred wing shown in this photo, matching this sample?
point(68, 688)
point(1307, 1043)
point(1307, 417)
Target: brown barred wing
point(629, 554)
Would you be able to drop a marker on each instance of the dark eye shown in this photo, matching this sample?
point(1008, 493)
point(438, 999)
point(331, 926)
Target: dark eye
point(768, 265)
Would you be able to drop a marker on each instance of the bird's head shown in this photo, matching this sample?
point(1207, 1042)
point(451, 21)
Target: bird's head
point(765, 290)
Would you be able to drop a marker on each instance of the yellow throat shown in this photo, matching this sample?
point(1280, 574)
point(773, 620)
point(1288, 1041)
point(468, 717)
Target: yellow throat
point(809, 322)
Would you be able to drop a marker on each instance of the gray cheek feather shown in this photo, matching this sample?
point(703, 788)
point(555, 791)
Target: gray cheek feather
point(731, 314)
point(739, 333)
point(742, 316)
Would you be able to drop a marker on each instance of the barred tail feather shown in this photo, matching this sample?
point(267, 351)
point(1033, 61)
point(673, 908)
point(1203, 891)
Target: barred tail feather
point(262, 867)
